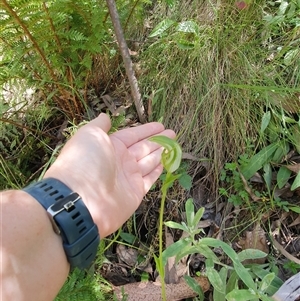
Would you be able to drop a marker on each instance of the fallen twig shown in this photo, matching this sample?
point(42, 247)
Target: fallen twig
point(283, 251)
point(248, 189)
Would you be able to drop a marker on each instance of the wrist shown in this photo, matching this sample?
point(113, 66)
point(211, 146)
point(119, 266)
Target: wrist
point(33, 253)
point(70, 218)
point(94, 200)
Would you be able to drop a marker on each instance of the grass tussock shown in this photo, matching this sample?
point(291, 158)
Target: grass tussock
point(213, 93)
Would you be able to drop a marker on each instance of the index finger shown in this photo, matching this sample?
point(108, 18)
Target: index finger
point(133, 135)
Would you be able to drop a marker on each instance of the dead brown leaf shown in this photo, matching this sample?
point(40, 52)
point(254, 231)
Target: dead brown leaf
point(255, 239)
point(294, 168)
point(127, 255)
point(295, 222)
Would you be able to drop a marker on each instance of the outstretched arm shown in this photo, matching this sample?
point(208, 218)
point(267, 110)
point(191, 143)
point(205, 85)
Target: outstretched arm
point(111, 174)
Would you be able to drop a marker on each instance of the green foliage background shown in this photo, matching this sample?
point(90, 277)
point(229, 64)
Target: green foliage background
point(60, 49)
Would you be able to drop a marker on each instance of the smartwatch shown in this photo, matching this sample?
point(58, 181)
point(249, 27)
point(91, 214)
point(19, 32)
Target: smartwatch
point(70, 218)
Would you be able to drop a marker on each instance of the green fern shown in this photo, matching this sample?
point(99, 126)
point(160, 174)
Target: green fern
point(86, 286)
point(81, 286)
point(53, 44)
point(45, 43)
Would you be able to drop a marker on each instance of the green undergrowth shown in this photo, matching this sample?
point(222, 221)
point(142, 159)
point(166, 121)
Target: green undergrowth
point(83, 286)
point(63, 47)
point(210, 71)
point(87, 285)
point(52, 55)
point(27, 141)
point(235, 281)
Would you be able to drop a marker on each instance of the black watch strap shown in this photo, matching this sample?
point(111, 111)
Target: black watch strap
point(70, 218)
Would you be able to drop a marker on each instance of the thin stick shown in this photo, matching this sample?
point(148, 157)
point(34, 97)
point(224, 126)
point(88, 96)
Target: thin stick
point(127, 60)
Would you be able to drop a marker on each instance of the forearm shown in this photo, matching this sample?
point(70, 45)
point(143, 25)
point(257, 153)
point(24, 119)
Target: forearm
point(33, 263)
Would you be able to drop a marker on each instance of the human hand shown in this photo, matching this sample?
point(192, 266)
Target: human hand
point(111, 173)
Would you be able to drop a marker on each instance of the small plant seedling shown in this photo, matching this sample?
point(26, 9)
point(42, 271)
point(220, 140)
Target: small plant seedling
point(258, 283)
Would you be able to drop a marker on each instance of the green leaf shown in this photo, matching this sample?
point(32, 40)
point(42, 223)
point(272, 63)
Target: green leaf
point(239, 268)
point(281, 151)
point(283, 176)
point(273, 131)
point(215, 279)
point(223, 274)
point(268, 175)
point(160, 269)
point(198, 248)
point(296, 182)
point(174, 249)
point(144, 276)
point(266, 281)
point(232, 281)
point(185, 181)
point(187, 250)
point(170, 3)
point(295, 209)
point(184, 44)
point(258, 161)
point(261, 273)
point(161, 27)
point(282, 8)
point(291, 56)
point(288, 119)
point(87, 61)
point(294, 136)
point(175, 225)
point(240, 295)
point(188, 27)
point(13, 144)
point(169, 180)
point(292, 10)
point(251, 254)
point(128, 237)
point(172, 154)
point(244, 275)
point(197, 217)
point(192, 283)
point(189, 211)
point(265, 121)
point(206, 252)
point(264, 297)
point(209, 263)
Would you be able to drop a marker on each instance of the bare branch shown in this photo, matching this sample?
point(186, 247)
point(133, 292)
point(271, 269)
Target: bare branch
point(127, 60)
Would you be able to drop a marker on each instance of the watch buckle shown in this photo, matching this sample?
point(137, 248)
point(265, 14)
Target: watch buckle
point(66, 203)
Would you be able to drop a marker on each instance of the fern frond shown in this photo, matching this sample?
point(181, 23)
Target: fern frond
point(81, 286)
point(21, 22)
point(75, 35)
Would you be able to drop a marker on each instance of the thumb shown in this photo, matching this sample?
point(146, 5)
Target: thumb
point(102, 121)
